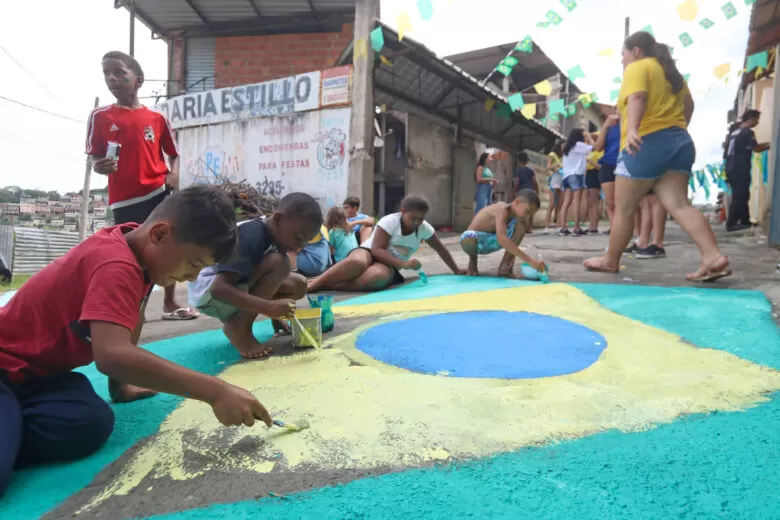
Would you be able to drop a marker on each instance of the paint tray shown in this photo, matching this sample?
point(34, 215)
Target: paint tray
point(311, 320)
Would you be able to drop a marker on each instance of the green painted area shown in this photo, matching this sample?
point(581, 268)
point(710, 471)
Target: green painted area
point(707, 466)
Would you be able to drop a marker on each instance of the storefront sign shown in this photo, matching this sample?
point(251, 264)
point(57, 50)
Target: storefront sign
point(336, 85)
point(278, 155)
point(282, 96)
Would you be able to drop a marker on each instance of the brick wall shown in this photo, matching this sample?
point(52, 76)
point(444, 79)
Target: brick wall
point(251, 59)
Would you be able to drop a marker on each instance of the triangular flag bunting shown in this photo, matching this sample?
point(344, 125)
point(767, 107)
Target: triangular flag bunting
point(377, 39)
point(750, 2)
point(686, 39)
point(687, 77)
point(509, 61)
point(617, 79)
point(647, 29)
point(529, 110)
point(569, 4)
point(361, 49)
point(489, 104)
point(721, 70)
point(543, 88)
point(688, 10)
point(557, 106)
point(543, 25)
point(426, 9)
point(404, 25)
point(614, 95)
point(607, 53)
point(571, 110)
point(526, 45)
point(759, 59)
point(706, 23)
point(575, 73)
point(553, 17)
point(504, 111)
point(504, 69)
point(516, 102)
point(385, 61)
point(729, 10)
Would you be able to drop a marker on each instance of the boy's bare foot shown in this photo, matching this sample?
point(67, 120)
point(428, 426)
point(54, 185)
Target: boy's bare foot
point(281, 328)
point(312, 286)
point(245, 342)
point(124, 393)
point(505, 271)
point(600, 264)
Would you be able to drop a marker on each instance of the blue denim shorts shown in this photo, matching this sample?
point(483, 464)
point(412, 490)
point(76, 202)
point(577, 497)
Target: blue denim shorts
point(662, 151)
point(574, 182)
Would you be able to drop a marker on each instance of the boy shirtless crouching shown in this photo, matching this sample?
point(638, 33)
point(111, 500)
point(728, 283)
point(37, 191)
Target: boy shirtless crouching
point(502, 226)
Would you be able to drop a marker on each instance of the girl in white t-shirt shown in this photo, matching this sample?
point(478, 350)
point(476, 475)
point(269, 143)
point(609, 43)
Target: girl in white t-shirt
point(378, 261)
point(575, 163)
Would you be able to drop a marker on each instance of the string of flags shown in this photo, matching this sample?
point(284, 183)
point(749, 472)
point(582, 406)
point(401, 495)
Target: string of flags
point(687, 11)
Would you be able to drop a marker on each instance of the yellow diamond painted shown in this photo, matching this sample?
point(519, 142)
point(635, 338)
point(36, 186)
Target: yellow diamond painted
point(365, 414)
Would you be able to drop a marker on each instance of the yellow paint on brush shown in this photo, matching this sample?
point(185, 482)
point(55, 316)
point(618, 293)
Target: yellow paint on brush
point(371, 415)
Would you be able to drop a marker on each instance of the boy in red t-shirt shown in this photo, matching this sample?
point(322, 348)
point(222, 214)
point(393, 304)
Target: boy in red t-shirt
point(85, 307)
point(139, 180)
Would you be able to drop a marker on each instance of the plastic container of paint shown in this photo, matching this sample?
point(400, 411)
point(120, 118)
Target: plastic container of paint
point(311, 320)
point(529, 272)
point(324, 302)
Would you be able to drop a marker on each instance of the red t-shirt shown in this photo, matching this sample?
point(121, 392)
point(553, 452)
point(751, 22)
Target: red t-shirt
point(44, 329)
point(144, 134)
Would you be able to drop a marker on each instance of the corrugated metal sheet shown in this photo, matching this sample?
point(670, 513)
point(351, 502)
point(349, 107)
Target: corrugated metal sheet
point(200, 64)
point(34, 249)
point(7, 246)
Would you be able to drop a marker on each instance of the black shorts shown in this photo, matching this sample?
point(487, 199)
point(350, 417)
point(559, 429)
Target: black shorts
point(592, 180)
point(138, 212)
point(607, 173)
point(398, 278)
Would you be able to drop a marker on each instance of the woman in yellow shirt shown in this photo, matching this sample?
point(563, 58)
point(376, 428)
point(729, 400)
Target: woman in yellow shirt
point(657, 153)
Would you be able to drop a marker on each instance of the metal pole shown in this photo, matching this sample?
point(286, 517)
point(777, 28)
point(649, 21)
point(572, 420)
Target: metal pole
point(132, 27)
point(628, 26)
point(85, 194)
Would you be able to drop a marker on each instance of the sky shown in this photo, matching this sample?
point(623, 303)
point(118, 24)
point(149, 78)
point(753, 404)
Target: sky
point(60, 64)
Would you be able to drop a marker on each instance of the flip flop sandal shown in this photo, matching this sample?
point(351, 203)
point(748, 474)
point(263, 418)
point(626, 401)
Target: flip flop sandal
point(180, 314)
point(711, 276)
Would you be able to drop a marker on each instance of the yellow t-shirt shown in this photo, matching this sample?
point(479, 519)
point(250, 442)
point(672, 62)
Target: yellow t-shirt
point(323, 233)
point(556, 161)
point(664, 109)
point(593, 159)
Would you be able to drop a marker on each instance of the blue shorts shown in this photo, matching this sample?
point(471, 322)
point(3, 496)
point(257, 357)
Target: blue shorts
point(662, 151)
point(488, 242)
point(574, 182)
point(313, 259)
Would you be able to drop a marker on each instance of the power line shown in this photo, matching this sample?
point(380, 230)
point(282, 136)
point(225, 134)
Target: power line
point(42, 110)
point(28, 73)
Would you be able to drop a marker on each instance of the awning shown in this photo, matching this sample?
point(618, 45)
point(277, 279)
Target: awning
point(421, 83)
point(179, 18)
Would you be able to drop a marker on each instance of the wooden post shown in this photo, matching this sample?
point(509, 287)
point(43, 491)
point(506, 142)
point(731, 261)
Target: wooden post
point(628, 26)
point(132, 28)
point(360, 180)
point(85, 194)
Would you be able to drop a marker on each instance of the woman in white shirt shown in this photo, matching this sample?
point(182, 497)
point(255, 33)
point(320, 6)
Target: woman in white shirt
point(575, 163)
point(378, 262)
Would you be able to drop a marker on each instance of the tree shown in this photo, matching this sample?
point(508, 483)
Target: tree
point(53, 195)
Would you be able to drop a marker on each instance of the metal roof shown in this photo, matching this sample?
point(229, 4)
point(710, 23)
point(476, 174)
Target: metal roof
point(421, 83)
point(764, 25)
point(169, 18)
point(532, 67)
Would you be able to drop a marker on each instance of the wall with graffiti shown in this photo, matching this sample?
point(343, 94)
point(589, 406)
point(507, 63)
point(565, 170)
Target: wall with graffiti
point(296, 152)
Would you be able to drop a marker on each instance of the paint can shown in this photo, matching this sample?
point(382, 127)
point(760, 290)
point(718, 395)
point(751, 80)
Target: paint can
point(529, 272)
point(311, 320)
point(324, 302)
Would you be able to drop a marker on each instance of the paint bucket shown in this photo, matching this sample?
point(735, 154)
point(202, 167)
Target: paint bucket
point(529, 272)
point(324, 302)
point(311, 320)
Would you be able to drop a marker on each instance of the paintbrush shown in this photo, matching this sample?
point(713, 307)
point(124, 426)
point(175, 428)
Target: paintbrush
point(297, 426)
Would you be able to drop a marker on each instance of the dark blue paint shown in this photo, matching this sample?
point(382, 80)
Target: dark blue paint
point(494, 344)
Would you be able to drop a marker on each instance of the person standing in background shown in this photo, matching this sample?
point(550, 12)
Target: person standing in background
point(739, 154)
point(609, 142)
point(554, 183)
point(485, 182)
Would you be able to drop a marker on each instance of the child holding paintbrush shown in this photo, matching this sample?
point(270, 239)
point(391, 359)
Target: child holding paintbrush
point(259, 280)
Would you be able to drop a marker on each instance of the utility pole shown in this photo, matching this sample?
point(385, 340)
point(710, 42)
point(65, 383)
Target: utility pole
point(360, 177)
point(132, 27)
point(628, 26)
point(85, 194)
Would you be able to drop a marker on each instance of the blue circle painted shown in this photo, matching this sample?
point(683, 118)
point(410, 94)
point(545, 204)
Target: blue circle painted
point(493, 344)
